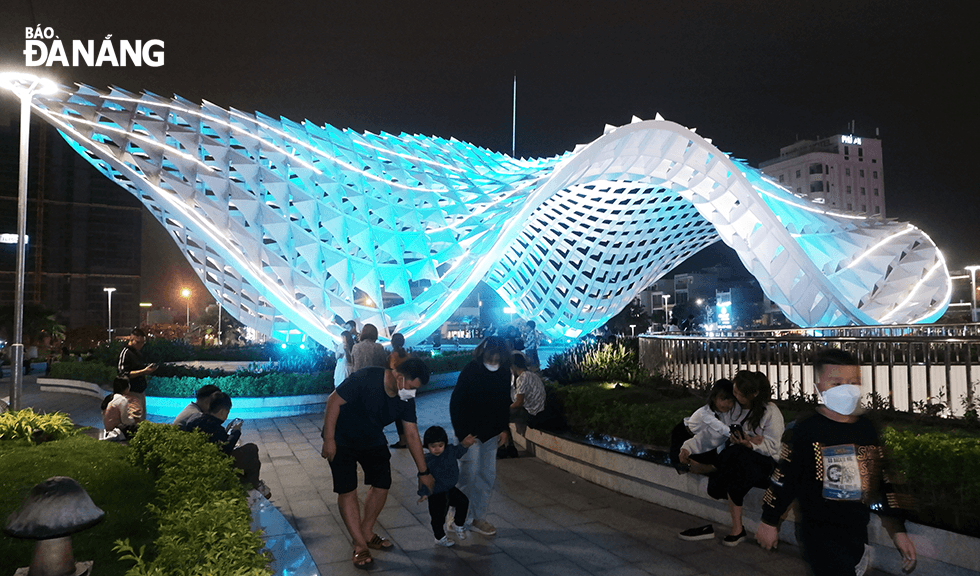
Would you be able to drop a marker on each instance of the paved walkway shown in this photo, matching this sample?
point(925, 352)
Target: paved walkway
point(548, 522)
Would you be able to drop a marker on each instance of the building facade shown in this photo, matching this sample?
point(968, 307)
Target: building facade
point(843, 172)
point(83, 233)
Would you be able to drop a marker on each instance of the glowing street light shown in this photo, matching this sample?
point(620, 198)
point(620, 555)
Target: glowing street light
point(186, 293)
point(24, 86)
point(109, 291)
point(973, 292)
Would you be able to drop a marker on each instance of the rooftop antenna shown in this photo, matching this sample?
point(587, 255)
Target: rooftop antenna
point(513, 126)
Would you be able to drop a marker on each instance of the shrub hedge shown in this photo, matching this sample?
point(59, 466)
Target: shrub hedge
point(244, 385)
point(28, 426)
point(203, 515)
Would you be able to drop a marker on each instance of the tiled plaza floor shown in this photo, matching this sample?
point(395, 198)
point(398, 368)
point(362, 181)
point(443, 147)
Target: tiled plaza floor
point(549, 522)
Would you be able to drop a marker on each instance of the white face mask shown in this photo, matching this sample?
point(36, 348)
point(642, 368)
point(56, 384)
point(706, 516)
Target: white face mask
point(406, 394)
point(842, 399)
point(492, 367)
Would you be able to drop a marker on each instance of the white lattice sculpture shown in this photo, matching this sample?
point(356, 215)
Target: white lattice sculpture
point(293, 225)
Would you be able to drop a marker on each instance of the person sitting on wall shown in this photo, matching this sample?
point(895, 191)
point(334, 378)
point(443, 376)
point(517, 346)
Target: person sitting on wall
point(212, 424)
point(199, 406)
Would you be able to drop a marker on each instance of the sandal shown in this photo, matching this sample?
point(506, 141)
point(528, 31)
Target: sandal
point(378, 543)
point(363, 559)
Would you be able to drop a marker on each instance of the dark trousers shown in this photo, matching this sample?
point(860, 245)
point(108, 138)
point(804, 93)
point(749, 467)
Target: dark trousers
point(832, 550)
point(681, 434)
point(740, 469)
point(439, 505)
point(247, 461)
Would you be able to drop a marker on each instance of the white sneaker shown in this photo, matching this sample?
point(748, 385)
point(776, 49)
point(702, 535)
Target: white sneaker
point(482, 527)
point(445, 542)
point(460, 532)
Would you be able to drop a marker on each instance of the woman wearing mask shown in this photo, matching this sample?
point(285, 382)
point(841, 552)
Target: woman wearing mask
point(480, 405)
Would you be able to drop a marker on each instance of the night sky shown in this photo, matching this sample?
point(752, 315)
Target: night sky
point(752, 76)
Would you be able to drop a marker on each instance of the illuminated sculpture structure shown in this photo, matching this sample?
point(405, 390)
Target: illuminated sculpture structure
point(295, 226)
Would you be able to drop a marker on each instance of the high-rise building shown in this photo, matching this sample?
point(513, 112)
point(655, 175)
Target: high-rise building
point(844, 172)
point(83, 233)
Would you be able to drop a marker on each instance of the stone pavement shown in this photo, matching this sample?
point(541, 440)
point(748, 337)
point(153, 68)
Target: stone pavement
point(548, 522)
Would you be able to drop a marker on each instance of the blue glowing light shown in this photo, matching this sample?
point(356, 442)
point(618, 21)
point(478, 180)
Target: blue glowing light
point(297, 226)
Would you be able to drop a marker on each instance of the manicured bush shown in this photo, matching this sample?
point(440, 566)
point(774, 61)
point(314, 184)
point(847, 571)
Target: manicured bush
point(200, 506)
point(93, 372)
point(942, 472)
point(244, 385)
point(103, 469)
point(28, 426)
point(447, 361)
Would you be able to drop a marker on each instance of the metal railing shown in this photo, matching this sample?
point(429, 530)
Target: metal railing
point(916, 372)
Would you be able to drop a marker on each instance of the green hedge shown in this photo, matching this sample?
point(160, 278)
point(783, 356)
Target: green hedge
point(201, 508)
point(590, 408)
point(244, 386)
point(93, 372)
point(943, 474)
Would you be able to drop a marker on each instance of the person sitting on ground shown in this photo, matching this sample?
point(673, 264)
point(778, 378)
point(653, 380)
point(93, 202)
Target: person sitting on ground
point(441, 461)
point(695, 442)
point(119, 424)
point(199, 406)
point(750, 457)
point(211, 423)
point(367, 352)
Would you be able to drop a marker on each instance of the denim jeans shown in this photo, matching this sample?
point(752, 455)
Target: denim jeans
point(477, 471)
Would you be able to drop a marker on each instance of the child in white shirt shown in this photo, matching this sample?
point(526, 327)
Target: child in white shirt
point(695, 442)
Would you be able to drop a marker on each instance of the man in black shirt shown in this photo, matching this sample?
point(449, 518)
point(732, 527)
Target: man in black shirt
point(132, 367)
point(353, 433)
point(212, 424)
point(833, 466)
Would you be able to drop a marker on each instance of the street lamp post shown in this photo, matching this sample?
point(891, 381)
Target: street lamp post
point(973, 292)
point(666, 312)
point(187, 296)
point(109, 292)
point(24, 86)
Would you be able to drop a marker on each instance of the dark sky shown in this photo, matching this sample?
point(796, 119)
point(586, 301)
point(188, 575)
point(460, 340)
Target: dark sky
point(753, 76)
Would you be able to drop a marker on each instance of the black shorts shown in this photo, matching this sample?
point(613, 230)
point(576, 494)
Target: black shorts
point(374, 461)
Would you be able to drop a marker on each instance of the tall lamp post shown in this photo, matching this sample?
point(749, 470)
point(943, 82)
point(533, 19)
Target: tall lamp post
point(973, 292)
point(24, 86)
point(109, 292)
point(666, 311)
point(187, 296)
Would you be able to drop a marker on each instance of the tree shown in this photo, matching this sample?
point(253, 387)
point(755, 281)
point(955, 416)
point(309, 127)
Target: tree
point(41, 326)
point(633, 315)
point(231, 329)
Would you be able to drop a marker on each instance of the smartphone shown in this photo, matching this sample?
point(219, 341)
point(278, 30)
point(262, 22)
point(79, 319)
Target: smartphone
point(736, 431)
point(237, 422)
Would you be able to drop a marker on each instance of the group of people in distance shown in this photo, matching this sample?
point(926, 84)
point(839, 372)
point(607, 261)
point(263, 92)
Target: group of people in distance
point(830, 461)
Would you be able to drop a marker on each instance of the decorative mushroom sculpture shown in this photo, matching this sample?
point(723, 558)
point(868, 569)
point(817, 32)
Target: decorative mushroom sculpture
point(53, 511)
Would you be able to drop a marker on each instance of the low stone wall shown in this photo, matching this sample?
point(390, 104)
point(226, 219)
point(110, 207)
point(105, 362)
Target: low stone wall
point(246, 408)
point(70, 387)
point(940, 553)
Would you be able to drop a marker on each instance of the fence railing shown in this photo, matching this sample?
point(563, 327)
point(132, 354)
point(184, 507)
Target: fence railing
point(916, 373)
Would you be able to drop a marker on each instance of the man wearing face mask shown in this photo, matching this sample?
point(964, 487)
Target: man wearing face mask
point(833, 464)
point(480, 405)
point(353, 433)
